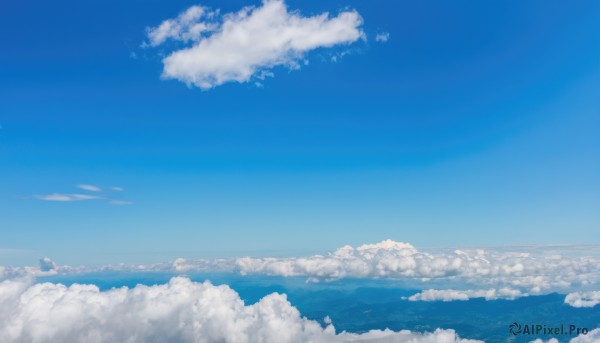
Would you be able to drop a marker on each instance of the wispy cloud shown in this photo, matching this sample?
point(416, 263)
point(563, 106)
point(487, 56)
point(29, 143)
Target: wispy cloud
point(98, 194)
point(246, 46)
point(90, 188)
point(120, 202)
point(382, 37)
point(66, 197)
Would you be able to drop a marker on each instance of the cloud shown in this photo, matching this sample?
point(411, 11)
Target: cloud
point(382, 37)
point(47, 265)
point(120, 202)
point(452, 295)
point(179, 311)
point(246, 46)
point(591, 337)
point(583, 299)
point(66, 197)
point(533, 272)
point(90, 188)
point(185, 27)
point(442, 274)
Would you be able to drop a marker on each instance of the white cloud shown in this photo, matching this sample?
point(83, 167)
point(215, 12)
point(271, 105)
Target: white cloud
point(533, 272)
point(446, 274)
point(382, 37)
point(66, 197)
point(583, 299)
point(90, 188)
point(245, 46)
point(591, 337)
point(452, 295)
point(185, 27)
point(179, 311)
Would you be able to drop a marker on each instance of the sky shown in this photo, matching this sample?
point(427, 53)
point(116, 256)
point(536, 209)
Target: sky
point(436, 123)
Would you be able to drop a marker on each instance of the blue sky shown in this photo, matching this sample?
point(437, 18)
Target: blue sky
point(474, 124)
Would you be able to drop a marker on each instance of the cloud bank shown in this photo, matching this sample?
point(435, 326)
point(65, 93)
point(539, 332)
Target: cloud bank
point(533, 272)
point(591, 337)
point(452, 295)
point(179, 311)
point(247, 45)
point(443, 275)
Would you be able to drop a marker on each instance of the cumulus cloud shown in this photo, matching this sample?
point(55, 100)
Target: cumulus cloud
point(452, 295)
point(90, 188)
point(583, 299)
point(66, 197)
point(533, 272)
point(591, 337)
point(382, 37)
point(179, 311)
point(246, 46)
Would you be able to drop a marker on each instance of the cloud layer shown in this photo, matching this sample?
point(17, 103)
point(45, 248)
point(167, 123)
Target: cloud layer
point(452, 295)
point(591, 337)
point(247, 45)
point(443, 275)
point(179, 311)
point(534, 272)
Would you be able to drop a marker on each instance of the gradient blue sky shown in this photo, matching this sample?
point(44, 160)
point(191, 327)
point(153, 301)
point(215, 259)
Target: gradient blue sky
point(477, 123)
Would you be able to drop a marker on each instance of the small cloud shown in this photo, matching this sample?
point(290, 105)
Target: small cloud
point(90, 188)
point(47, 264)
point(583, 299)
point(66, 197)
point(382, 37)
point(243, 46)
point(116, 189)
point(120, 202)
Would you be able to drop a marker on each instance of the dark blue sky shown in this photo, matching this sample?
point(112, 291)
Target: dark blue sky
point(476, 123)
